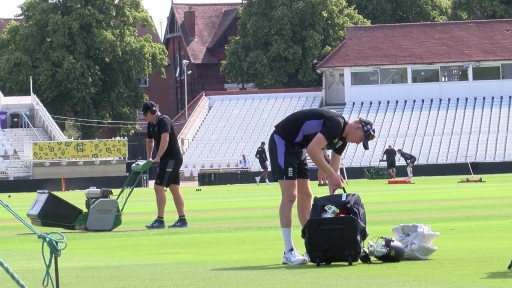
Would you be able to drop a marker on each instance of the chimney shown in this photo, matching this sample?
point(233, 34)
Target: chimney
point(190, 22)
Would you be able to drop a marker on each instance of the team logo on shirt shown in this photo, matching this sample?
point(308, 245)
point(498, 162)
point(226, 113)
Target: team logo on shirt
point(337, 142)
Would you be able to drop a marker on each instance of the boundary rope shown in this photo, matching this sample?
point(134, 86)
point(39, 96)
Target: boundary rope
point(55, 241)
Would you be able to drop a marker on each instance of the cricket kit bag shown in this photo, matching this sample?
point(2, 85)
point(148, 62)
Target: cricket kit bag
point(336, 229)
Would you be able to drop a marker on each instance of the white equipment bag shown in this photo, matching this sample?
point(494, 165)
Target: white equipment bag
point(417, 240)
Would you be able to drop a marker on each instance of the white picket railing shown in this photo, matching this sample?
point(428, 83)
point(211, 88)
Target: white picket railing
point(43, 118)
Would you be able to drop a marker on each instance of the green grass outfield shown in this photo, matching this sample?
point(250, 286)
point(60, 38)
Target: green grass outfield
point(235, 241)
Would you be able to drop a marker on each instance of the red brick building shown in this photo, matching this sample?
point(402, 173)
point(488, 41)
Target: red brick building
point(5, 21)
point(197, 33)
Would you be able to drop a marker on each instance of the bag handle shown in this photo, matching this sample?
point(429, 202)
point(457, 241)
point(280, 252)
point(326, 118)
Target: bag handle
point(344, 193)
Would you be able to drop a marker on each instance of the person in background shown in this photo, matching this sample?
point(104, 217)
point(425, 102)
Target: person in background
point(409, 160)
point(390, 154)
point(261, 155)
point(168, 159)
point(244, 163)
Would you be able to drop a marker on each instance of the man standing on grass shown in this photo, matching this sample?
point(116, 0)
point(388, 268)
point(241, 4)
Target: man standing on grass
point(168, 158)
point(261, 155)
point(311, 131)
point(390, 154)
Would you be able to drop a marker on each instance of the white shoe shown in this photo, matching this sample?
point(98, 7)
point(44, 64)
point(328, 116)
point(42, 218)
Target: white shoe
point(306, 256)
point(257, 180)
point(268, 183)
point(293, 257)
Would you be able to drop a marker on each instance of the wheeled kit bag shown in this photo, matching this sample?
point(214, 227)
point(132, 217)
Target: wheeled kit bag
point(339, 238)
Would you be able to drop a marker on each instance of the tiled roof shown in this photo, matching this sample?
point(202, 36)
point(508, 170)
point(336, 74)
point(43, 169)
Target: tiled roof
point(423, 43)
point(141, 31)
point(227, 18)
point(211, 20)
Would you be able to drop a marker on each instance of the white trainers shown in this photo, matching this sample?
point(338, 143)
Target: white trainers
point(293, 257)
point(257, 180)
point(268, 183)
point(305, 255)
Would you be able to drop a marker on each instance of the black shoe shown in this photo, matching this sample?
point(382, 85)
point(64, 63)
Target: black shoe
point(157, 224)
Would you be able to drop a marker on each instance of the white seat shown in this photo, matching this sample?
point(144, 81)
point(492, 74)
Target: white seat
point(195, 172)
point(224, 164)
point(233, 163)
point(187, 172)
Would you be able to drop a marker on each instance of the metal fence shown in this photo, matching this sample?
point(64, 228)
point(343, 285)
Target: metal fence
point(15, 166)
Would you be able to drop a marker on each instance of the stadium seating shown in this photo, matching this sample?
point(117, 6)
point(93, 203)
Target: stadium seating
point(13, 145)
point(434, 130)
point(237, 126)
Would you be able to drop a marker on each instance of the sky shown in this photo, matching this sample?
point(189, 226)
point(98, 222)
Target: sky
point(158, 9)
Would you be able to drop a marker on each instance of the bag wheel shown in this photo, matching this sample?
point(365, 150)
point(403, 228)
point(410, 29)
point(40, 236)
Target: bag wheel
point(317, 262)
point(349, 260)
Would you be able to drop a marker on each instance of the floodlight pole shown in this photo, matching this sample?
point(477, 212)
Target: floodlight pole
point(185, 62)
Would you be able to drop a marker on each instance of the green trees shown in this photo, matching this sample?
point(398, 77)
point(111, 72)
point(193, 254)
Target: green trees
point(481, 9)
point(279, 39)
point(84, 56)
point(402, 11)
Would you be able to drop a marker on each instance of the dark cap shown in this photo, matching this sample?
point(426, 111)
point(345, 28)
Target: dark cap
point(369, 132)
point(148, 106)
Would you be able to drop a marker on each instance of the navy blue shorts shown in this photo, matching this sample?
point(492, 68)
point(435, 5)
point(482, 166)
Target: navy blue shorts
point(263, 165)
point(286, 162)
